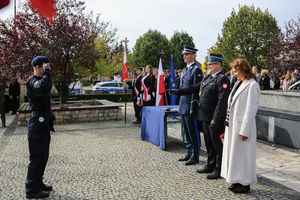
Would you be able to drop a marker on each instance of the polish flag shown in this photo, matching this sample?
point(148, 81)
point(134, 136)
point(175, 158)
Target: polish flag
point(3, 3)
point(124, 70)
point(160, 89)
point(46, 8)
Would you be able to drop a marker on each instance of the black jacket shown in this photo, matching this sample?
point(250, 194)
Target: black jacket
point(213, 95)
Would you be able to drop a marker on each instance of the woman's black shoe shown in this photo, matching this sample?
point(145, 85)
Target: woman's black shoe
point(232, 186)
point(241, 189)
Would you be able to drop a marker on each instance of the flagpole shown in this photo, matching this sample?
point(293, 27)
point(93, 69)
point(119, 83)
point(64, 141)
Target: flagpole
point(15, 8)
point(125, 52)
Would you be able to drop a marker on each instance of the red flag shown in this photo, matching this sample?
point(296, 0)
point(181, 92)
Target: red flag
point(3, 3)
point(124, 70)
point(46, 8)
point(160, 89)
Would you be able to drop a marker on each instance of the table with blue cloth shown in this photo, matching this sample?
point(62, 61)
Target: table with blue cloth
point(154, 123)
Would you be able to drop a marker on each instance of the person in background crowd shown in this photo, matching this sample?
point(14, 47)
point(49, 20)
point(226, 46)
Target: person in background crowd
point(117, 77)
point(256, 74)
point(265, 80)
point(294, 78)
point(2, 101)
point(188, 106)
point(298, 74)
point(232, 79)
point(167, 86)
point(14, 96)
point(148, 88)
point(239, 148)
point(136, 90)
point(276, 82)
point(287, 81)
point(155, 72)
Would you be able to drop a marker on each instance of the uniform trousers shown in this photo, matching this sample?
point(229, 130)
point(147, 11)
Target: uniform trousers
point(137, 111)
point(39, 143)
point(192, 136)
point(214, 145)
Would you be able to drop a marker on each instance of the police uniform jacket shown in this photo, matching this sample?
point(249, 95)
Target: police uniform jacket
point(38, 92)
point(189, 103)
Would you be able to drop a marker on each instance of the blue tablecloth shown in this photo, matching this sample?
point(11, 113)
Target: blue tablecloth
point(152, 126)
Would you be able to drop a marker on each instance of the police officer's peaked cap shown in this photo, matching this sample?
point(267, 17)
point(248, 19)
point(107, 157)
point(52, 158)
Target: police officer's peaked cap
point(188, 49)
point(213, 58)
point(39, 60)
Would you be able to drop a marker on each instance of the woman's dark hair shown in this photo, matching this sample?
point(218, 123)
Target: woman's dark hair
point(243, 66)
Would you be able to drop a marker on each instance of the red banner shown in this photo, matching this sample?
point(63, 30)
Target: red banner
point(46, 8)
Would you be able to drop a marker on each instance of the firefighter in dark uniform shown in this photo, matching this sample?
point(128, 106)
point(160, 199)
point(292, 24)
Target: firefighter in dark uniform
point(188, 106)
point(214, 92)
point(213, 95)
point(40, 126)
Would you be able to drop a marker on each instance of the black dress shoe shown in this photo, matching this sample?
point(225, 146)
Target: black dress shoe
point(214, 175)
point(37, 195)
point(185, 158)
point(241, 189)
point(47, 188)
point(191, 162)
point(205, 170)
point(232, 186)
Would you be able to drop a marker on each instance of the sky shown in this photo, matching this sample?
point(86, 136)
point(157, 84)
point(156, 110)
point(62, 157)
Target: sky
point(201, 19)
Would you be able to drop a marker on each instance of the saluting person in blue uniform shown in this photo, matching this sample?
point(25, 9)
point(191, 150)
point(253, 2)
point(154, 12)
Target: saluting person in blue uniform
point(188, 106)
point(39, 127)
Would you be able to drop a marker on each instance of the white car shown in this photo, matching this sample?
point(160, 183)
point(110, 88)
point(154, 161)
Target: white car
point(108, 86)
point(295, 86)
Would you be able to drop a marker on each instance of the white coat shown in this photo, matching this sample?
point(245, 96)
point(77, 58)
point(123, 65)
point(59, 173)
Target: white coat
point(239, 157)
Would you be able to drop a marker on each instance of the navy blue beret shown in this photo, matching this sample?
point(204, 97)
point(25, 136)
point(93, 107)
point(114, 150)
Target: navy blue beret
point(213, 58)
point(188, 49)
point(39, 60)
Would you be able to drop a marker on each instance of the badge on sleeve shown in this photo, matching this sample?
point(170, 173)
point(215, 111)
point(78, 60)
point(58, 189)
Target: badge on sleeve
point(41, 119)
point(225, 86)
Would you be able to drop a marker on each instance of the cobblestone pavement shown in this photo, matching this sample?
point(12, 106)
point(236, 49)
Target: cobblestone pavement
point(108, 161)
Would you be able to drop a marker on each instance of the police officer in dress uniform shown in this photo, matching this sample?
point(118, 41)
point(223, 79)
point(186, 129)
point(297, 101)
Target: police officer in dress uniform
point(40, 126)
point(188, 106)
point(213, 95)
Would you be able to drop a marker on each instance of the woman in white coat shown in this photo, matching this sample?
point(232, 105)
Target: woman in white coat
point(239, 148)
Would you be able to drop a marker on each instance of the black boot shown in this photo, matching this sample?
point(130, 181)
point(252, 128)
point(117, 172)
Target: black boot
point(45, 187)
point(185, 158)
point(37, 195)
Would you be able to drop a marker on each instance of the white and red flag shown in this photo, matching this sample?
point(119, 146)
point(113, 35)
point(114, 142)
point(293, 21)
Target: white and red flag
point(46, 8)
point(160, 89)
point(124, 70)
point(4, 3)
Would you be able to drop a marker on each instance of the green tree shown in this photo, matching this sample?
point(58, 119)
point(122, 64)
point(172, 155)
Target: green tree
point(248, 33)
point(177, 41)
point(149, 48)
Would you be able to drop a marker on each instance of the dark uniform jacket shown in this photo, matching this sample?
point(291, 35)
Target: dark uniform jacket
point(213, 95)
point(189, 102)
point(136, 90)
point(148, 88)
point(38, 92)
